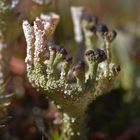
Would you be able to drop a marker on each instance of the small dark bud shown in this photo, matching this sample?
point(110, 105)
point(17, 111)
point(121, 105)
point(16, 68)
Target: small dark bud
point(92, 29)
point(58, 47)
point(79, 66)
point(116, 69)
point(90, 18)
point(52, 48)
point(68, 58)
point(100, 54)
point(110, 36)
point(94, 19)
point(96, 55)
point(62, 50)
point(101, 28)
point(114, 33)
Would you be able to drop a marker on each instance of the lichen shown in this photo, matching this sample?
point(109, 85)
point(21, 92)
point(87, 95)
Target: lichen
point(66, 84)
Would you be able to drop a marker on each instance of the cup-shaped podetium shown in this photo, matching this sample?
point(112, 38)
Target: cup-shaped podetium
point(93, 58)
point(89, 19)
point(60, 55)
point(101, 28)
point(65, 67)
point(79, 73)
point(110, 36)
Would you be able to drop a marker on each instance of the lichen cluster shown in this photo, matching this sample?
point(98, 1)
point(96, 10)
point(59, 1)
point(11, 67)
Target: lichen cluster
point(44, 57)
point(50, 66)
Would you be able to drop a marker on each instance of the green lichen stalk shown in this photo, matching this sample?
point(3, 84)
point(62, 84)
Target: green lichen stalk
point(73, 88)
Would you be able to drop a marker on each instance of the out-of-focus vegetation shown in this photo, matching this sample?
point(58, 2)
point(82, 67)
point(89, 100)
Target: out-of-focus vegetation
point(116, 115)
